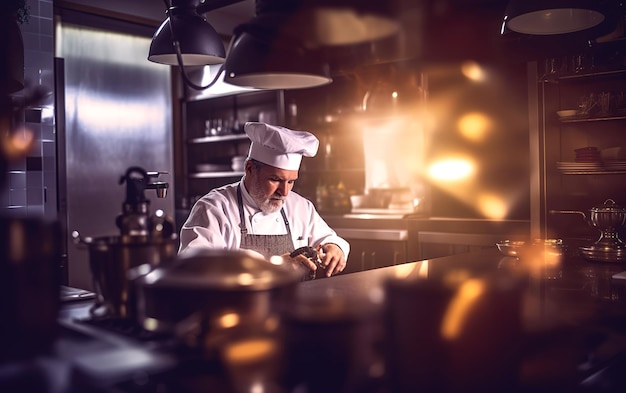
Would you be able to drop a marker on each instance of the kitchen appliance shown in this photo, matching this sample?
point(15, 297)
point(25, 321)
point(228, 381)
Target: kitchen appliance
point(144, 238)
point(608, 218)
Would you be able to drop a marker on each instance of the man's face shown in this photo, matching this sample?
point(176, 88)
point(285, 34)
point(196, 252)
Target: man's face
point(269, 185)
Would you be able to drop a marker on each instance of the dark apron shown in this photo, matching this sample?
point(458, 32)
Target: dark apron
point(267, 245)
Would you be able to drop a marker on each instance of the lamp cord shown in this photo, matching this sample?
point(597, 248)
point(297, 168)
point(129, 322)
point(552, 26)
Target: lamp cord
point(179, 57)
point(183, 73)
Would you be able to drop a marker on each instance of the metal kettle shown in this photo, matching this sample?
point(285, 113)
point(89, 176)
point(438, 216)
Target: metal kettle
point(608, 218)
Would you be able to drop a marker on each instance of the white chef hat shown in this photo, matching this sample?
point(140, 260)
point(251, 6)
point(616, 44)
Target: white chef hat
point(279, 146)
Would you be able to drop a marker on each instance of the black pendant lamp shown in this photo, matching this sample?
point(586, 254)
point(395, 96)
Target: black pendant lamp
point(549, 17)
point(281, 48)
point(268, 60)
point(189, 33)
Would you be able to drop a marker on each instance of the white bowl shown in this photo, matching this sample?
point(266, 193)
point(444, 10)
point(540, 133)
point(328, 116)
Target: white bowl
point(356, 201)
point(567, 113)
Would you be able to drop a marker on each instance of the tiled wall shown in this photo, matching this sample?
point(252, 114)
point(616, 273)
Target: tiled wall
point(31, 183)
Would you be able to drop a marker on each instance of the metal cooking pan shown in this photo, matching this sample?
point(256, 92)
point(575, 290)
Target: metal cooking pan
point(214, 283)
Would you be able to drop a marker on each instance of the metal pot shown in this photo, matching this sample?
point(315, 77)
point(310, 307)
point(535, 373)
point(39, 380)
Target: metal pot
point(111, 258)
point(212, 284)
point(609, 216)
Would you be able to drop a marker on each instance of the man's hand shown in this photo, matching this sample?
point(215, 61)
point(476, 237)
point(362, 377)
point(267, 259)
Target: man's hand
point(332, 258)
point(301, 261)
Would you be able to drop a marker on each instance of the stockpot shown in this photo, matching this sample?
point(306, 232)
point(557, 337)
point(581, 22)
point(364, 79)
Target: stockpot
point(111, 260)
point(210, 284)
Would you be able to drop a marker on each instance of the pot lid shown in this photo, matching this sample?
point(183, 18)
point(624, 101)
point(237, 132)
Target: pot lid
point(609, 206)
point(223, 270)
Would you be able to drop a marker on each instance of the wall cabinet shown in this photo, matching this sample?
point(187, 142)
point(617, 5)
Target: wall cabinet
point(583, 160)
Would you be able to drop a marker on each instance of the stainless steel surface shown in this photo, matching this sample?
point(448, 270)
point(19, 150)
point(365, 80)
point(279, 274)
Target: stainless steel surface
point(70, 294)
point(118, 114)
point(373, 234)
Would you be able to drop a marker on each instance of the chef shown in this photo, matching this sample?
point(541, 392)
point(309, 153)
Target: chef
point(260, 212)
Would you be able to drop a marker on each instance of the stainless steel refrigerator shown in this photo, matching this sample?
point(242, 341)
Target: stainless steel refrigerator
point(114, 111)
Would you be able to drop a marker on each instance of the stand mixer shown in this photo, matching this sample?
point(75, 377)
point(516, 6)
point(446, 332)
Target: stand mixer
point(608, 218)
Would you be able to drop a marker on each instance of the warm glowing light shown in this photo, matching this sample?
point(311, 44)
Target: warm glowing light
point(473, 71)
point(276, 260)
point(474, 126)
point(245, 279)
point(150, 324)
point(394, 94)
point(453, 169)
point(228, 320)
point(460, 307)
point(492, 206)
point(250, 350)
point(422, 270)
point(403, 271)
point(17, 144)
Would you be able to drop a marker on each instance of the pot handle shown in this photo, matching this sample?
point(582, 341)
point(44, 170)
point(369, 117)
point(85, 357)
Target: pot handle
point(568, 212)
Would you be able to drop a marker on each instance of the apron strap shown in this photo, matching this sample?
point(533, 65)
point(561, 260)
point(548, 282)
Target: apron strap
point(242, 222)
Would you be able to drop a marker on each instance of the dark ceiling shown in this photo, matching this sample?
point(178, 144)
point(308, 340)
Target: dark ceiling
point(223, 19)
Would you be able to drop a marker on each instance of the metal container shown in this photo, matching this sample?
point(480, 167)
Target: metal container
point(111, 258)
point(608, 216)
point(211, 284)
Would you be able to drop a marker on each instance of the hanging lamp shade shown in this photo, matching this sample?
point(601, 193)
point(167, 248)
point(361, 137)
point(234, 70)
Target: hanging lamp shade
point(198, 41)
point(269, 61)
point(320, 23)
point(544, 17)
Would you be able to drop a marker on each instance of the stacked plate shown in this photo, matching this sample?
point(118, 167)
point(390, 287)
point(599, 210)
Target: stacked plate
point(615, 165)
point(577, 167)
point(588, 154)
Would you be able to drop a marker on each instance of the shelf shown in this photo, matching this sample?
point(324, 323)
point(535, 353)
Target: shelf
point(594, 172)
point(616, 72)
point(217, 138)
point(593, 74)
point(592, 119)
point(212, 175)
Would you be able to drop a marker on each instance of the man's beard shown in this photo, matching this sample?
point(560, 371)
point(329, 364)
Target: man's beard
point(267, 204)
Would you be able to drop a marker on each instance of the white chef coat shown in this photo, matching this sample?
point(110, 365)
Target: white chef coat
point(214, 222)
